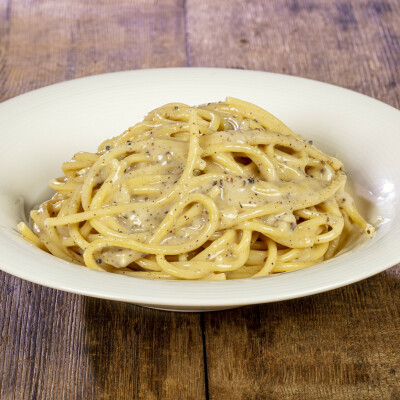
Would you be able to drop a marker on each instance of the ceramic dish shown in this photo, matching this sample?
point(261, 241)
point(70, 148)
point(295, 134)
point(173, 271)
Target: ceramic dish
point(41, 129)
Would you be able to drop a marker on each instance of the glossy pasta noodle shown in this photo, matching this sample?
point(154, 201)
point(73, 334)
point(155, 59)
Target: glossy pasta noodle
point(217, 191)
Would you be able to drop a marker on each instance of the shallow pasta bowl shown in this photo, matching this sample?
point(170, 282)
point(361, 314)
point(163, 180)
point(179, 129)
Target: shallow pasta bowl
point(41, 129)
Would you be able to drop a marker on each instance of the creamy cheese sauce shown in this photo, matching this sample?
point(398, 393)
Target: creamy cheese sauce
point(295, 182)
point(219, 191)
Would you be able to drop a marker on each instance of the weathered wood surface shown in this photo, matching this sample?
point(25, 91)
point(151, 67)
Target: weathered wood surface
point(344, 344)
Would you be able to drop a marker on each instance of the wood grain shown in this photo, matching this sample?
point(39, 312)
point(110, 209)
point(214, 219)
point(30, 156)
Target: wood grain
point(52, 41)
point(55, 345)
point(350, 44)
point(339, 345)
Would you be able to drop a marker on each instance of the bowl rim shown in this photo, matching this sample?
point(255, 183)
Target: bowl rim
point(205, 299)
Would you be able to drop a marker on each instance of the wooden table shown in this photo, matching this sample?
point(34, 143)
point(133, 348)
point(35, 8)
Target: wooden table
point(338, 345)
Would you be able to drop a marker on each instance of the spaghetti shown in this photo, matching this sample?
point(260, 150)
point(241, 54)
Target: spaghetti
point(218, 191)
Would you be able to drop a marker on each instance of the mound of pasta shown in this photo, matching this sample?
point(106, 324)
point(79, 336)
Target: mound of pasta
point(217, 191)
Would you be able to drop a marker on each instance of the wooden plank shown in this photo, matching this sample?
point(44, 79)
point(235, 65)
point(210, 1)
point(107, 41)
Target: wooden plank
point(144, 354)
point(339, 345)
point(5, 18)
point(52, 41)
point(352, 45)
point(55, 345)
point(343, 344)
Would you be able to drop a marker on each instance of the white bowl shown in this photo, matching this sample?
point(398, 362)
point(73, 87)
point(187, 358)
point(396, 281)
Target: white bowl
point(41, 129)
